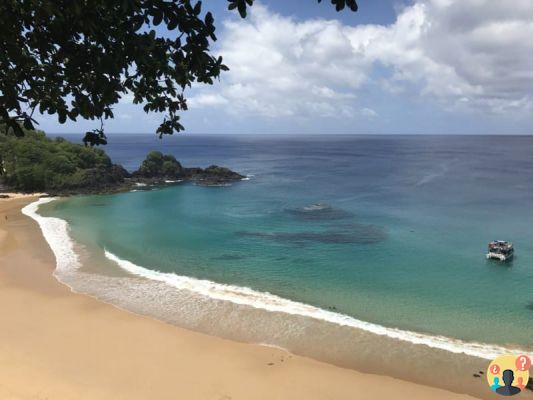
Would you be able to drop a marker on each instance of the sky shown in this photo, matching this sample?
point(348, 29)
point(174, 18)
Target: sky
point(394, 67)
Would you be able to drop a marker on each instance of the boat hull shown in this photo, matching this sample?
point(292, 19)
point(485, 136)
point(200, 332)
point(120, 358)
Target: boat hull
point(500, 257)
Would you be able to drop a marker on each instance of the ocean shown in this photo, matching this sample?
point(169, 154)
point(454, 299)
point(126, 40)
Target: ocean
point(364, 251)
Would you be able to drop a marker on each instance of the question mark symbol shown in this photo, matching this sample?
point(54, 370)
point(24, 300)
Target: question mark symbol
point(523, 363)
point(495, 369)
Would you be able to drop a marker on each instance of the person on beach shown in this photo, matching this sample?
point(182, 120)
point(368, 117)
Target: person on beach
point(508, 389)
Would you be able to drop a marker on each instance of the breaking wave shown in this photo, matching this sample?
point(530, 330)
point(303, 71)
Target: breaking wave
point(56, 233)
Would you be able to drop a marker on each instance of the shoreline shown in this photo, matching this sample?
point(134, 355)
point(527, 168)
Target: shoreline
point(55, 231)
point(35, 283)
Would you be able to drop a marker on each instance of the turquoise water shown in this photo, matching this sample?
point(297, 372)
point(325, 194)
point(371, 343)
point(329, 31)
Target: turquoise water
point(390, 230)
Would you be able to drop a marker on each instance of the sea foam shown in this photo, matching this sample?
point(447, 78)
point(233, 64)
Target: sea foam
point(270, 302)
point(56, 232)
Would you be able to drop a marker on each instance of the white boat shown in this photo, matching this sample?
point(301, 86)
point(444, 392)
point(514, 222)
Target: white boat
point(500, 250)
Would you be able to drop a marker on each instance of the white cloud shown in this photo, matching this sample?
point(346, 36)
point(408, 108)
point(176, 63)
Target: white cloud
point(368, 112)
point(465, 54)
point(207, 100)
point(126, 98)
point(474, 52)
point(284, 68)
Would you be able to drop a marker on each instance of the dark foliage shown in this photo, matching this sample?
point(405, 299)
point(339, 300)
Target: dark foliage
point(241, 5)
point(78, 58)
point(35, 163)
point(157, 165)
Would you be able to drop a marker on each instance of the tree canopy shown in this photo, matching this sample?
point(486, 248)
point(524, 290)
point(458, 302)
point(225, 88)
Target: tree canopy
point(76, 59)
point(157, 164)
point(36, 163)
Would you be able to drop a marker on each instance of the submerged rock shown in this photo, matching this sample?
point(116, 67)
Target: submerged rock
point(319, 212)
point(359, 234)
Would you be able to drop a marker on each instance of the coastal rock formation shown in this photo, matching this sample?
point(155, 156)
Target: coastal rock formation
point(35, 163)
point(96, 180)
point(158, 167)
point(211, 176)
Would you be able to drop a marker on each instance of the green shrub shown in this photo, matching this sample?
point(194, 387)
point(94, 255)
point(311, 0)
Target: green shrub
point(36, 163)
point(157, 165)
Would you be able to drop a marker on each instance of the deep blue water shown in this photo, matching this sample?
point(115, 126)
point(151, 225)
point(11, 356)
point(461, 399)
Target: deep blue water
point(387, 229)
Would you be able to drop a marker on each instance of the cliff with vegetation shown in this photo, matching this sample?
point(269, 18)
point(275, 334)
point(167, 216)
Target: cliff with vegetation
point(35, 163)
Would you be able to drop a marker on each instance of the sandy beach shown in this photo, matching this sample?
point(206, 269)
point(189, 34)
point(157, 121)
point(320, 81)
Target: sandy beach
point(55, 344)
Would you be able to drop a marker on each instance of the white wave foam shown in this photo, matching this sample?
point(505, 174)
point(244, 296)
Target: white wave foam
point(317, 207)
point(267, 301)
point(430, 177)
point(56, 233)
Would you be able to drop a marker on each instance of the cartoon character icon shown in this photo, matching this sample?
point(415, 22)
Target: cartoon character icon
point(496, 383)
point(507, 374)
point(508, 389)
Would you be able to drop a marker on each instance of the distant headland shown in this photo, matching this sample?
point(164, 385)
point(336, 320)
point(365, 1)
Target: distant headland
point(35, 163)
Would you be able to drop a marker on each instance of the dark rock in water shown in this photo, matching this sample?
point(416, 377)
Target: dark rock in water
point(476, 375)
point(530, 306)
point(319, 212)
point(362, 234)
point(228, 257)
point(158, 167)
point(211, 176)
point(4, 196)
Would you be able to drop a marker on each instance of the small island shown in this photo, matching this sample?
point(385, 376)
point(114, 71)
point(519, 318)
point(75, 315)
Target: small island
point(158, 168)
point(36, 163)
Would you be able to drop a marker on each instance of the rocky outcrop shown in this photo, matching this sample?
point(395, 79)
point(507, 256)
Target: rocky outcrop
point(156, 170)
point(211, 176)
point(158, 167)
